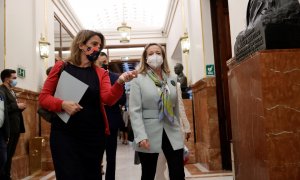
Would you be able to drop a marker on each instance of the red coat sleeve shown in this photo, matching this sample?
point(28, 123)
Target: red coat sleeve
point(109, 94)
point(46, 98)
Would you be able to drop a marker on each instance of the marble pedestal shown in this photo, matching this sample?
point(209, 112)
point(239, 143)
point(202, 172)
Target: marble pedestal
point(264, 95)
point(207, 137)
point(188, 106)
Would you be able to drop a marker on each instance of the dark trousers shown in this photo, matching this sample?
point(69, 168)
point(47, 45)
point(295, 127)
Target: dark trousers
point(111, 150)
point(3, 154)
point(174, 160)
point(11, 148)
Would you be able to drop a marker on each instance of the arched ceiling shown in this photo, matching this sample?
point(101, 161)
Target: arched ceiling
point(143, 16)
point(107, 15)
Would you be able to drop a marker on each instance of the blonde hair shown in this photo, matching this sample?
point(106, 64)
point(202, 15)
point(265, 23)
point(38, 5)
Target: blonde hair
point(143, 66)
point(82, 38)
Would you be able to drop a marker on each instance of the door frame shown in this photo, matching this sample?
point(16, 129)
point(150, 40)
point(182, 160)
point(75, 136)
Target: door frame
point(222, 53)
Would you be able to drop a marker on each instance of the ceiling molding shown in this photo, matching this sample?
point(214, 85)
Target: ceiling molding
point(170, 17)
point(124, 46)
point(136, 60)
point(157, 33)
point(66, 10)
point(135, 35)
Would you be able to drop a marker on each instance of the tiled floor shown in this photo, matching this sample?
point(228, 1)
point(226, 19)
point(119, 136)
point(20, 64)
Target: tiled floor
point(126, 170)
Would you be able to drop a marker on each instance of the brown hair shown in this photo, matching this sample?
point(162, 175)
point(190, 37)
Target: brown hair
point(81, 38)
point(143, 64)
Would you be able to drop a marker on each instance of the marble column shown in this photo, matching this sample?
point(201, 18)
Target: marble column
point(264, 95)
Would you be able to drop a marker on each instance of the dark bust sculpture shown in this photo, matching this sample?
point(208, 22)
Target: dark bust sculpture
point(271, 24)
point(181, 78)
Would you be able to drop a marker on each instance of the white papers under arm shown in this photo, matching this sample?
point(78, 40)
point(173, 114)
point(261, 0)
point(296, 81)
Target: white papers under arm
point(69, 88)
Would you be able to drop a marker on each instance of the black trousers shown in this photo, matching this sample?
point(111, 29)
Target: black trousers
point(11, 148)
point(111, 150)
point(174, 160)
point(3, 154)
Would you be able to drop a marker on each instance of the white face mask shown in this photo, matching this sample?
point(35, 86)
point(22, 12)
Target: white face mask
point(13, 83)
point(155, 61)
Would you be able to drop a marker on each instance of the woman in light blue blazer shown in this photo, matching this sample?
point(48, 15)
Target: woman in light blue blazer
point(154, 114)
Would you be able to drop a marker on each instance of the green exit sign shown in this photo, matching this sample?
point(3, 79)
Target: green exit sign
point(21, 72)
point(210, 69)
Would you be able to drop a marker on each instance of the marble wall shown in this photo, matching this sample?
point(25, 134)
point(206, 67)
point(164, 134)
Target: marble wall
point(21, 164)
point(188, 106)
point(265, 113)
point(207, 136)
point(47, 163)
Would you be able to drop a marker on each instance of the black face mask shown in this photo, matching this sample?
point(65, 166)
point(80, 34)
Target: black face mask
point(104, 66)
point(94, 55)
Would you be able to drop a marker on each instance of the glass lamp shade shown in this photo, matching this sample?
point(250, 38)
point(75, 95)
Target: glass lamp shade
point(44, 47)
point(185, 43)
point(124, 31)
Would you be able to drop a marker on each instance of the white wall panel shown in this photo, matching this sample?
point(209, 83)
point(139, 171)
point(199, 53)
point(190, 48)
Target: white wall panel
point(200, 33)
point(237, 17)
point(26, 21)
point(199, 30)
point(176, 31)
point(20, 40)
point(2, 34)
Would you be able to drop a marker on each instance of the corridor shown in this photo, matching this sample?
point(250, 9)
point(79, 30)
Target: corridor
point(126, 170)
point(227, 72)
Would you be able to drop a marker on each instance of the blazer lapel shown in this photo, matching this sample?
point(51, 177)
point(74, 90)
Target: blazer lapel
point(151, 85)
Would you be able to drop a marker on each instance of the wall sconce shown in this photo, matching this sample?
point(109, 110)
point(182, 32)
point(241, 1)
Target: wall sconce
point(124, 31)
point(44, 48)
point(185, 43)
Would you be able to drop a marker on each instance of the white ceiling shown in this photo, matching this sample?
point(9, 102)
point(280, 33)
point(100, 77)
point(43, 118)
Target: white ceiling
point(107, 15)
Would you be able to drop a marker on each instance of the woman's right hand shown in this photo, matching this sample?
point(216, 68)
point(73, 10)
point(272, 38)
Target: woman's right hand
point(127, 76)
point(145, 144)
point(71, 107)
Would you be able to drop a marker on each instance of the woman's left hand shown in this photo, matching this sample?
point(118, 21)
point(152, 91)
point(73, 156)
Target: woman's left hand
point(127, 76)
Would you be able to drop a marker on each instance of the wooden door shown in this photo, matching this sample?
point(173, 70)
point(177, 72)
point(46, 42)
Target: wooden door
point(35, 158)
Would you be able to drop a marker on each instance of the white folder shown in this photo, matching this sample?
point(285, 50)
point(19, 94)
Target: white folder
point(69, 88)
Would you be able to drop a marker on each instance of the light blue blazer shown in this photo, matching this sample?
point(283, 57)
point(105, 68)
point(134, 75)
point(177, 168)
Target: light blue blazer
point(143, 109)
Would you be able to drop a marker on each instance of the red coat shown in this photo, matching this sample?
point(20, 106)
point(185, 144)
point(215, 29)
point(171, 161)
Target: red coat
point(109, 95)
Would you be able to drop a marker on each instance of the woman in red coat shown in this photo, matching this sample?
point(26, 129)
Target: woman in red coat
point(77, 146)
